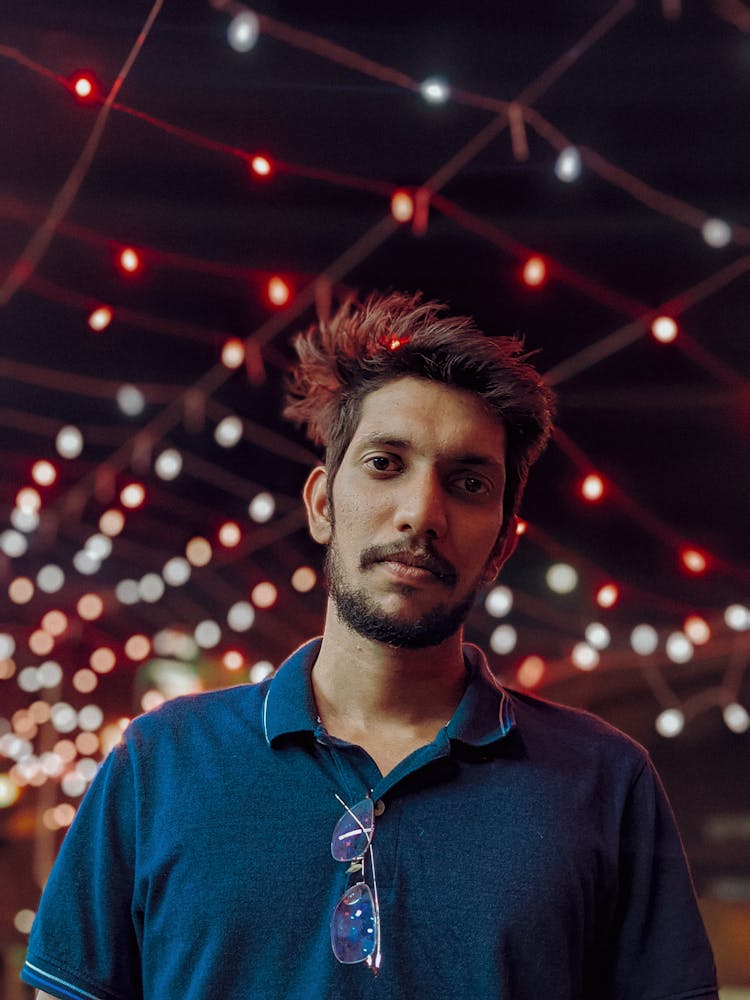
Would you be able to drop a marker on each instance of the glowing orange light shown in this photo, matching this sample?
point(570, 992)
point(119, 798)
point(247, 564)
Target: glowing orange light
point(28, 500)
point(697, 630)
point(278, 291)
point(233, 353)
point(664, 329)
point(132, 496)
point(198, 551)
point(84, 86)
point(21, 590)
point(137, 647)
point(531, 671)
point(608, 595)
point(66, 750)
point(521, 526)
point(90, 607)
point(43, 473)
point(261, 166)
point(100, 318)
point(54, 622)
point(111, 522)
point(87, 744)
point(402, 206)
point(40, 712)
point(85, 680)
point(41, 642)
point(7, 669)
point(693, 561)
point(230, 534)
point(264, 595)
point(534, 272)
point(128, 260)
point(64, 814)
point(102, 660)
point(304, 579)
point(233, 659)
point(592, 487)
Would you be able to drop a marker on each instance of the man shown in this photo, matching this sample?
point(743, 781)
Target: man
point(493, 845)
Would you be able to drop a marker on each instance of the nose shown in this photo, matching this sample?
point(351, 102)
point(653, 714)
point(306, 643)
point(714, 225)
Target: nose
point(421, 505)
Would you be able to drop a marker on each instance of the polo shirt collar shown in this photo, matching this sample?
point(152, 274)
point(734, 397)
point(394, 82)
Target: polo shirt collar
point(484, 714)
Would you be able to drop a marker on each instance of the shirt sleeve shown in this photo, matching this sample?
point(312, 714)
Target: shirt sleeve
point(84, 942)
point(660, 947)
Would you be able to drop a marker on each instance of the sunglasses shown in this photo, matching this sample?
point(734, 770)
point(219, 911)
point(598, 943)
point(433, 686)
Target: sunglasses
point(355, 924)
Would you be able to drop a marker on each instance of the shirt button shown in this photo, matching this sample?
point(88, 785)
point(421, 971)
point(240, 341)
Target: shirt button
point(379, 807)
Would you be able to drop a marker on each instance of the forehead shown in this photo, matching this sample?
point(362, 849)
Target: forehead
point(431, 417)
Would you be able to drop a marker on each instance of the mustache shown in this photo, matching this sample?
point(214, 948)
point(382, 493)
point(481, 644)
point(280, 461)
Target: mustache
point(424, 557)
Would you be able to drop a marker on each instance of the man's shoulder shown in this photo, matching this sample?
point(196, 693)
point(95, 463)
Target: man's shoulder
point(223, 711)
point(572, 730)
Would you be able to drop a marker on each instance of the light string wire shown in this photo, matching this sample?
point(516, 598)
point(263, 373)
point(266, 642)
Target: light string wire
point(40, 240)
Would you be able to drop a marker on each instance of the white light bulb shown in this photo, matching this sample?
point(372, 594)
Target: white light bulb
point(243, 31)
point(568, 165)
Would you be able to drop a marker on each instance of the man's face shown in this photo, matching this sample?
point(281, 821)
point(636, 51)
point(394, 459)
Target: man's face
point(418, 510)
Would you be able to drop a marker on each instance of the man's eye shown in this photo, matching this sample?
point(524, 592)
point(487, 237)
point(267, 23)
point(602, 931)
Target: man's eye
point(380, 463)
point(472, 485)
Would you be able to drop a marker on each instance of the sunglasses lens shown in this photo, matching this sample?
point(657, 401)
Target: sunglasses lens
point(353, 925)
point(353, 832)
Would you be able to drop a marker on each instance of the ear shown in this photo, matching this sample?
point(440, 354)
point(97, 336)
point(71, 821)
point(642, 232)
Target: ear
point(504, 549)
point(315, 495)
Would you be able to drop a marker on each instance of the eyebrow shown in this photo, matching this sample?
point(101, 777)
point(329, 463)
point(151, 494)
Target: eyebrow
point(471, 458)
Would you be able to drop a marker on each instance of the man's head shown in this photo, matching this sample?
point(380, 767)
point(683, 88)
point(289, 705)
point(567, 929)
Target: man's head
point(363, 348)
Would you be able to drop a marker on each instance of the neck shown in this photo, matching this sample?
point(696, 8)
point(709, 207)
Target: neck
point(362, 684)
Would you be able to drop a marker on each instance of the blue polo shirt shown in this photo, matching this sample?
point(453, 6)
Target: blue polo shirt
point(528, 853)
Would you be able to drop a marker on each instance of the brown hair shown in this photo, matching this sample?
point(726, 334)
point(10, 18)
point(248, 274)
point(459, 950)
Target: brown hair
point(363, 347)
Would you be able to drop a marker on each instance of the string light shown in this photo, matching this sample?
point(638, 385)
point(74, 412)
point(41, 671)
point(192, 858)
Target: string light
point(264, 594)
point(69, 442)
point(129, 260)
point(278, 291)
point(85, 87)
point(131, 400)
point(43, 473)
point(670, 723)
point(243, 31)
point(531, 671)
point(259, 671)
point(499, 601)
point(112, 522)
point(592, 487)
point(304, 579)
point(534, 272)
point(716, 233)
point(568, 165)
point(736, 717)
point(561, 578)
point(177, 571)
point(168, 464)
point(664, 329)
point(608, 595)
point(28, 500)
point(737, 617)
point(503, 640)
point(100, 319)
point(435, 90)
point(230, 534)
point(207, 634)
point(697, 630)
point(233, 659)
point(133, 496)
point(678, 647)
point(261, 166)
point(262, 508)
point(584, 656)
point(597, 635)
point(137, 647)
point(198, 551)
point(228, 432)
point(233, 353)
point(402, 206)
point(693, 561)
point(241, 616)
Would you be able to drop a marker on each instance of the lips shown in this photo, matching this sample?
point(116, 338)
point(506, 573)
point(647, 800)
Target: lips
point(425, 561)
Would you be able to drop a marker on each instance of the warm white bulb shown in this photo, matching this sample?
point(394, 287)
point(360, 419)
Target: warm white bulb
point(243, 31)
point(568, 165)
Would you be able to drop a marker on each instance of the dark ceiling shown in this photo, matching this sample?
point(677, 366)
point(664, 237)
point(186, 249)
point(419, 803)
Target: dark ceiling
point(653, 96)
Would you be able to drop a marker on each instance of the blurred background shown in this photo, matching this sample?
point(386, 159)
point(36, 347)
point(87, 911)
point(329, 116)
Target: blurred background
point(175, 206)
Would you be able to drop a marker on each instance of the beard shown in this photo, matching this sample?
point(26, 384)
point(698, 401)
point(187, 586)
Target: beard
point(360, 612)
